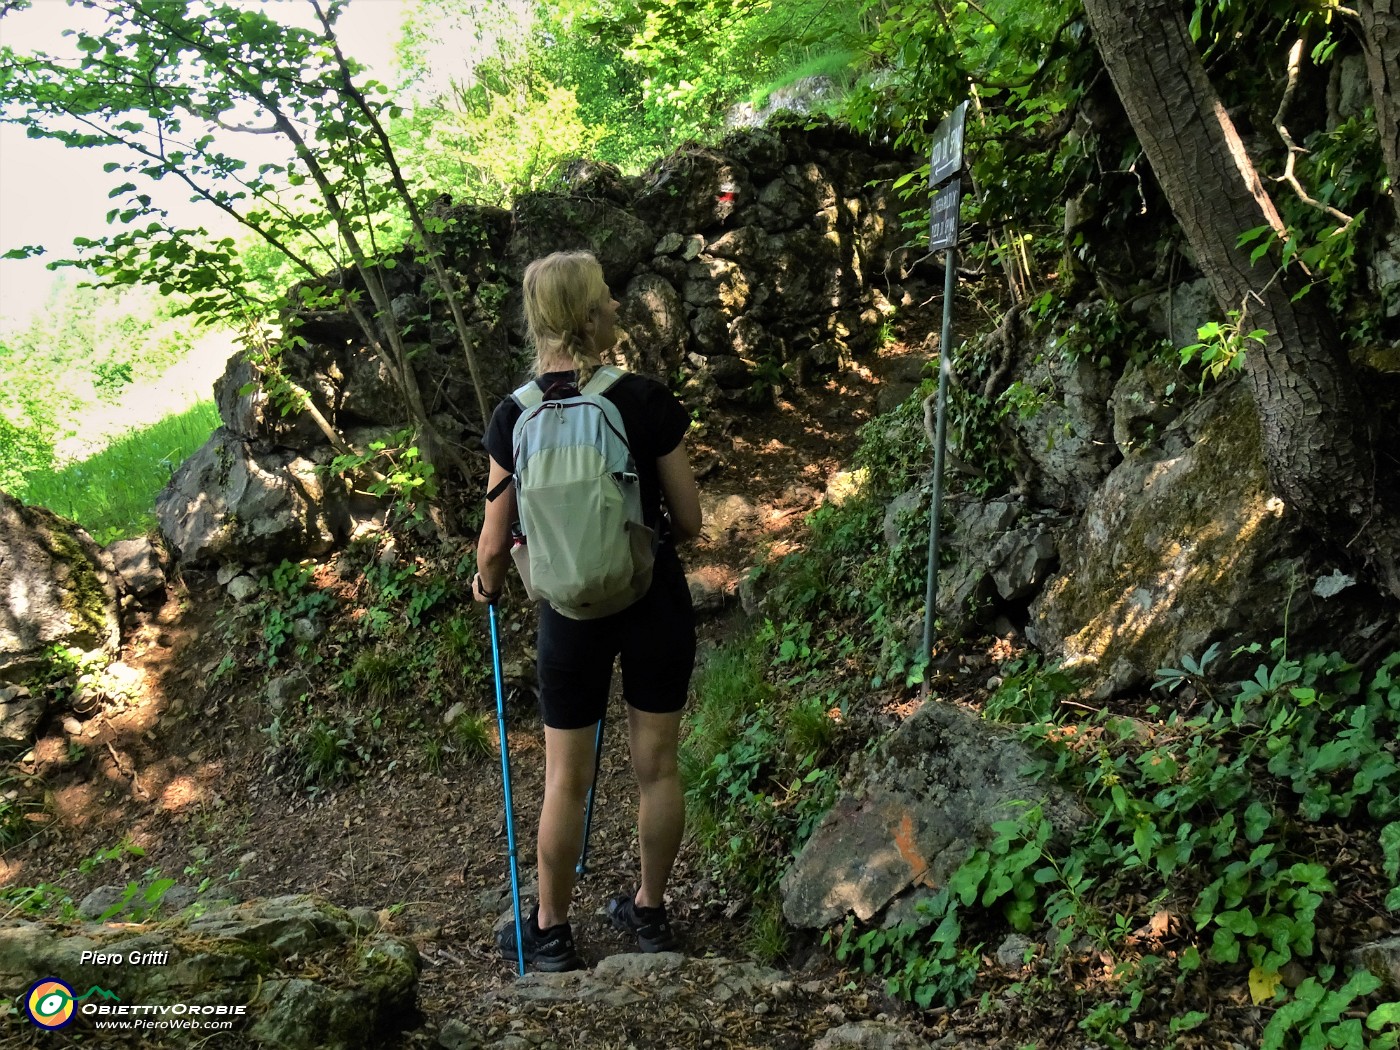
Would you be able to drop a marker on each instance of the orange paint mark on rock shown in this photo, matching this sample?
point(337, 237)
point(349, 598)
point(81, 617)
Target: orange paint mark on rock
point(904, 842)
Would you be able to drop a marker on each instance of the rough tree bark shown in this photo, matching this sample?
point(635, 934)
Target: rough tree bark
point(1380, 43)
point(1312, 416)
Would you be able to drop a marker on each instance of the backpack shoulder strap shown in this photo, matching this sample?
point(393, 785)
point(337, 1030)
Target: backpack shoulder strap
point(529, 395)
point(603, 379)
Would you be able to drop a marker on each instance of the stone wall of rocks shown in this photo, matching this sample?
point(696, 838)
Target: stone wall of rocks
point(775, 251)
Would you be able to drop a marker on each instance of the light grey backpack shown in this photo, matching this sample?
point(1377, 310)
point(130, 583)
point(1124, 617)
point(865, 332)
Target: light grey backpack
point(585, 548)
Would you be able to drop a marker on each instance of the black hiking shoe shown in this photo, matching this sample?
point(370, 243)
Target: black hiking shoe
point(550, 951)
point(651, 926)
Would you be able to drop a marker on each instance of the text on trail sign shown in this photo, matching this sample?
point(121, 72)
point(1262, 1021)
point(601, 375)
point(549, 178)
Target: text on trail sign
point(944, 229)
point(946, 157)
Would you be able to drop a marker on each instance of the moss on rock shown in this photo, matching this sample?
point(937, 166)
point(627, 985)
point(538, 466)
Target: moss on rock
point(1171, 554)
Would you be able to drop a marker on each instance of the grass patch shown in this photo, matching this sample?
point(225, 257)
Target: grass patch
point(758, 770)
point(728, 687)
point(472, 736)
point(112, 494)
point(378, 674)
point(765, 932)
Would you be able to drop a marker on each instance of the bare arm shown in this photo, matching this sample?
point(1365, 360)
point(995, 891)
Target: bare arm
point(680, 492)
point(493, 548)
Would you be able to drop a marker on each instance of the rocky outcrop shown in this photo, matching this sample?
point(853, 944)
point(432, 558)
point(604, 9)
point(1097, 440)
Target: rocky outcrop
point(57, 589)
point(303, 972)
point(1065, 447)
point(1382, 958)
point(230, 502)
point(21, 714)
point(930, 795)
point(1004, 552)
point(1181, 547)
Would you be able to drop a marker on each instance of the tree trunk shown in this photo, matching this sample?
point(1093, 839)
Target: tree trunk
point(1312, 414)
point(1380, 42)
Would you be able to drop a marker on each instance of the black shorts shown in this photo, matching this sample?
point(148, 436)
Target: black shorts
point(655, 638)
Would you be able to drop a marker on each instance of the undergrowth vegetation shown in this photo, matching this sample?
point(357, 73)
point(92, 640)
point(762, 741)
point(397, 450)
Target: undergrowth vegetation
point(1214, 816)
point(1207, 855)
point(341, 646)
point(758, 764)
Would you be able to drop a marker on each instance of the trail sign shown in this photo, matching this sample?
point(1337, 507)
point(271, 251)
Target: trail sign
point(944, 217)
point(946, 157)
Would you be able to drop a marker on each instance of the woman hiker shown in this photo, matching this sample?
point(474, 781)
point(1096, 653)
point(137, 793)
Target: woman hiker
point(572, 315)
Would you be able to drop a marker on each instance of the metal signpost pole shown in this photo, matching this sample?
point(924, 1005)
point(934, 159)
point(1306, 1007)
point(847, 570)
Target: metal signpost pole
point(945, 163)
point(940, 443)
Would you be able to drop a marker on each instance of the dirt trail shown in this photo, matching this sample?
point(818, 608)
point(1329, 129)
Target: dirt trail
point(179, 768)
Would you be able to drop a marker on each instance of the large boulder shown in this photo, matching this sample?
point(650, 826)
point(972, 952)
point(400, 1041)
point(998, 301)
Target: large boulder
point(796, 197)
point(56, 586)
point(138, 567)
point(1384, 275)
point(1177, 313)
point(1382, 958)
point(349, 384)
point(1180, 548)
point(230, 503)
point(930, 796)
point(693, 190)
point(254, 960)
point(1142, 405)
point(21, 714)
point(800, 97)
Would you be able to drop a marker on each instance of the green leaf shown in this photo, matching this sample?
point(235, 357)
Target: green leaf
point(1239, 921)
point(968, 878)
point(1253, 234)
point(1383, 1015)
point(1257, 820)
point(1187, 1021)
point(1390, 847)
point(1225, 947)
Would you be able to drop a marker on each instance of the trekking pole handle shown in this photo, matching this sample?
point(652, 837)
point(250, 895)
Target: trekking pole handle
point(492, 597)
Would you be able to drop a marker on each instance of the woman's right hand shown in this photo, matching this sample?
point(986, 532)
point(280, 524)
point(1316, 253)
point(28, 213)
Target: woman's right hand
point(681, 494)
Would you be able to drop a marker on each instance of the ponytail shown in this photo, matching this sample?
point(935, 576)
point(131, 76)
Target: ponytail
point(563, 293)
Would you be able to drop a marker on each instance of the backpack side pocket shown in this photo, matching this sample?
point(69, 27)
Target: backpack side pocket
point(520, 554)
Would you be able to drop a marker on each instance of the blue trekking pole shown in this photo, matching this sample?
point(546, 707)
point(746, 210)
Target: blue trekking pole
point(505, 779)
point(581, 868)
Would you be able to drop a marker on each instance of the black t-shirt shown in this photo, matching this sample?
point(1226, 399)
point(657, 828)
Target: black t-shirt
point(654, 419)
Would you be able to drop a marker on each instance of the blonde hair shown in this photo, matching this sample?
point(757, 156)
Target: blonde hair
point(563, 293)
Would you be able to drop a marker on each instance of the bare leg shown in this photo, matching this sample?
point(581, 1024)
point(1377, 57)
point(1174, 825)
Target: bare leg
point(568, 771)
point(661, 811)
